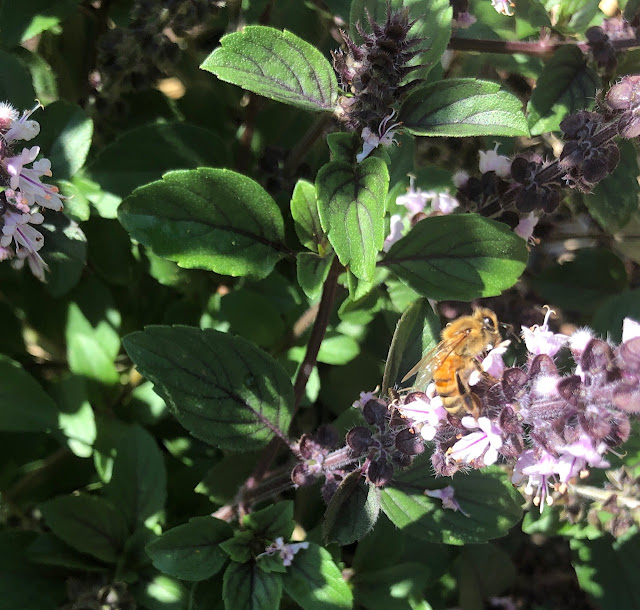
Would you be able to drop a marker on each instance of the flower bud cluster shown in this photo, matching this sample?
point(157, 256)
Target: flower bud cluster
point(131, 58)
point(24, 194)
point(599, 39)
point(623, 99)
point(372, 74)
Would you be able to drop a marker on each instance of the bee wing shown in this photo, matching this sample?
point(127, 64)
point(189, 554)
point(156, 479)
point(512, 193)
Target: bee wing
point(433, 360)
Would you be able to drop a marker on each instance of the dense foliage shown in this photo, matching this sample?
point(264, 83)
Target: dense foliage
point(230, 229)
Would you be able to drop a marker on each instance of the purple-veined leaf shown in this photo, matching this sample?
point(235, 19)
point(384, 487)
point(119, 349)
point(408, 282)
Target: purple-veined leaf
point(221, 388)
point(276, 64)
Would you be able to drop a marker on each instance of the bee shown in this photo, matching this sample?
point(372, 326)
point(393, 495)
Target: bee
point(450, 363)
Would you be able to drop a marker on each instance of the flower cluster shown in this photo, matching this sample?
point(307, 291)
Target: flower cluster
point(287, 551)
point(24, 193)
point(550, 426)
point(373, 74)
point(419, 204)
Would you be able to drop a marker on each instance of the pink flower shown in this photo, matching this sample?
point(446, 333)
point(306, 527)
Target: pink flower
point(463, 21)
point(428, 414)
point(630, 329)
point(574, 458)
point(525, 227)
point(540, 340)
point(384, 137)
point(365, 397)
point(442, 202)
point(491, 161)
point(446, 495)
point(539, 470)
point(503, 7)
point(28, 180)
point(395, 233)
point(415, 200)
point(478, 444)
point(492, 364)
point(286, 551)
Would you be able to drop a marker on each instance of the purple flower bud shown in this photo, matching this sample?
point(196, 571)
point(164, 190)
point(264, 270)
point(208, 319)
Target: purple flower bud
point(308, 446)
point(327, 437)
point(442, 466)
point(409, 442)
point(570, 388)
point(597, 357)
point(302, 476)
point(542, 365)
point(401, 460)
point(624, 95)
point(359, 439)
point(514, 381)
point(627, 398)
point(629, 355)
point(380, 472)
point(375, 412)
point(629, 125)
point(509, 422)
point(620, 430)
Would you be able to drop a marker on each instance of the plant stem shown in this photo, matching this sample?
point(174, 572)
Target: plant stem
point(543, 47)
point(317, 332)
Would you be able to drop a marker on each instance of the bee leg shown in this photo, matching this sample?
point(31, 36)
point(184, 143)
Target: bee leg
point(470, 400)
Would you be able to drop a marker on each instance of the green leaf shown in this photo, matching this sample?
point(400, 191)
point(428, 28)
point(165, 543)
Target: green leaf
point(277, 65)
point(239, 547)
point(138, 485)
point(497, 575)
point(490, 501)
point(24, 406)
point(315, 582)
point(49, 550)
point(459, 257)
point(615, 198)
point(65, 252)
point(393, 587)
point(222, 389)
point(191, 551)
point(408, 333)
point(211, 219)
point(352, 511)
point(351, 206)
point(312, 271)
point(15, 80)
point(126, 163)
point(24, 20)
point(76, 418)
point(304, 210)
point(42, 75)
point(583, 283)
point(271, 522)
point(23, 584)
point(88, 524)
point(246, 587)
point(460, 107)
point(607, 320)
point(607, 570)
point(565, 86)
point(65, 137)
point(433, 25)
point(92, 346)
